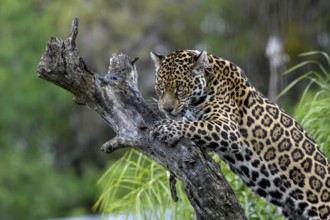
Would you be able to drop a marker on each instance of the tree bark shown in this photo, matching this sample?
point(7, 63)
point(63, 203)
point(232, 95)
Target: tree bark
point(116, 98)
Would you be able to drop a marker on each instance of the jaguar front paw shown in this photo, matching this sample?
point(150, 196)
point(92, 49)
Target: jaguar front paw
point(165, 131)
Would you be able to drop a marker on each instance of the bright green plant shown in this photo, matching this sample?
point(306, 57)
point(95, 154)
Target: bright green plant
point(313, 110)
point(138, 186)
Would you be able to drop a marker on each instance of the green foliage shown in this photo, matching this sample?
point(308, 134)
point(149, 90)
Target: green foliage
point(32, 122)
point(313, 110)
point(136, 185)
point(24, 106)
point(30, 188)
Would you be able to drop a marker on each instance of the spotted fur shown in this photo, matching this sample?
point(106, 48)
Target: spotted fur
point(211, 101)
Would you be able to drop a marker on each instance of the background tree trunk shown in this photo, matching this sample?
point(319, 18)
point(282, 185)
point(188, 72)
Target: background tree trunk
point(116, 98)
point(277, 59)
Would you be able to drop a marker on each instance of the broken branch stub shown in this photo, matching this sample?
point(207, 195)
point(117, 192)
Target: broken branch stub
point(117, 99)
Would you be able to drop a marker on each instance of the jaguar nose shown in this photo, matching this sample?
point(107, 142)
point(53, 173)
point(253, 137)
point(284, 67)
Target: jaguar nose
point(167, 103)
point(168, 108)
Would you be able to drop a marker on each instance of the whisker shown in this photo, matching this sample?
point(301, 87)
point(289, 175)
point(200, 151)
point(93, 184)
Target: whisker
point(153, 99)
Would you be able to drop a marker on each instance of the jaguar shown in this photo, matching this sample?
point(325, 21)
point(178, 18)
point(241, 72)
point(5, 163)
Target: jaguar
point(211, 101)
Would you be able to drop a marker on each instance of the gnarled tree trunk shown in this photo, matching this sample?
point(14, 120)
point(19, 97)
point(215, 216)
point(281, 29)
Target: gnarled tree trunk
point(116, 98)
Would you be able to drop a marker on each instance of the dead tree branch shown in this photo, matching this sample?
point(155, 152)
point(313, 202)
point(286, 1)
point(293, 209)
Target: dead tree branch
point(116, 98)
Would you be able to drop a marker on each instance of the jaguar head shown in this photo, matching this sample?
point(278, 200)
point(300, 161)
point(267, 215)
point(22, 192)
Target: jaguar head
point(180, 79)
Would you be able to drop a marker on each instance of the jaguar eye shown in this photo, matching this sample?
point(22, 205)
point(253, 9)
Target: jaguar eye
point(180, 88)
point(159, 90)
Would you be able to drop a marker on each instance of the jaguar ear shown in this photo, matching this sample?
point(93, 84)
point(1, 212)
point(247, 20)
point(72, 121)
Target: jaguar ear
point(203, 66)
point(201, 63)
point(157, 58)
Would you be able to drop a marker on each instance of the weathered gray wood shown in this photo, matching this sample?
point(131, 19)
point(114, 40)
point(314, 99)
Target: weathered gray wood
point(116, 98)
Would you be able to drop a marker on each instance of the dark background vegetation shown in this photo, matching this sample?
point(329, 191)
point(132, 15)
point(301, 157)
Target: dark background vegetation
point(49, 147)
